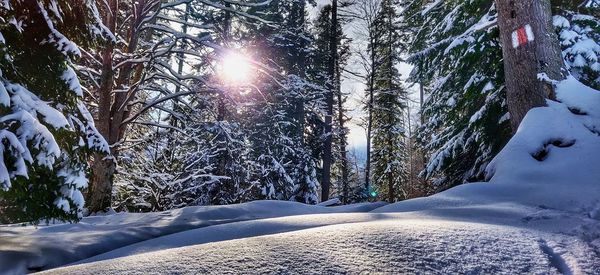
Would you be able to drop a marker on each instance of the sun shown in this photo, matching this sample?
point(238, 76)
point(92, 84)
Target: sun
point(235, 69)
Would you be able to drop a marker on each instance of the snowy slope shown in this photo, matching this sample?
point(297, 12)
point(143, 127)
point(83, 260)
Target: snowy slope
point(385, 246)
point(539, 214)
point(30, 248)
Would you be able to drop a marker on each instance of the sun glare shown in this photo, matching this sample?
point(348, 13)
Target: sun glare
point(235, 69)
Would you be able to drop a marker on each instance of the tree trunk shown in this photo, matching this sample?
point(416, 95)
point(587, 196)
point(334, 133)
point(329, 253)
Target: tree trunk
point(100, 189)
point(390, 41)
point(223, 154)
point(409, 148)
point(343, 138)
point(327, 154)
point(100, 192)
point(173, 121)
point(298, 67)
point(113, 107)
point(181, 56)
point(421, 99)
point(370, 114)
point(530, 47)
point(391, 190)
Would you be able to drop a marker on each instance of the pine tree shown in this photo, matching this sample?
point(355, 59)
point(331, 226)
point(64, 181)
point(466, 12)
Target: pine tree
point(46, 131)
point(319, 75)
point(389, 104)
point(329, 102)
point(578, 27)
point(284, 109)
point(456, 56)
point(341, 168)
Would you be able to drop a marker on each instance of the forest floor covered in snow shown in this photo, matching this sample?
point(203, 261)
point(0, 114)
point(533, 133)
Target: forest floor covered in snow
point(539, 213)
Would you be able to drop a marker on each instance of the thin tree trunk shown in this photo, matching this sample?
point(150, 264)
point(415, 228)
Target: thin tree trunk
point(409, 145)
point(298, 68)
point(180, 56)
point(370, 114)
point(327, 154)
point(180, 62)
point(530, 47)
point(421, 99)
point(391, 189)
point(222, 115)
point(390, 178)
point(422, 158)
point(343, 139)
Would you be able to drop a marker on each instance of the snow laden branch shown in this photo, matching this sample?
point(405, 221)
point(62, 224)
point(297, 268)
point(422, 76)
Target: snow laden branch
point(487, 22)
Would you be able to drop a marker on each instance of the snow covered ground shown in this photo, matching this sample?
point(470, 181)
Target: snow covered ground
point(30, 249)
point(539, 214)
point(389, 246)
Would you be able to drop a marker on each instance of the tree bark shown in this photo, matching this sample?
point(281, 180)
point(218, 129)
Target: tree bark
point(421, 99)
point(390, 41)
point(523, 62)
point(390, 180)
point(327, 154)
point(112, 107)
point(298, 67)
point(370, 113)
point(343, 138)
point(99, 193)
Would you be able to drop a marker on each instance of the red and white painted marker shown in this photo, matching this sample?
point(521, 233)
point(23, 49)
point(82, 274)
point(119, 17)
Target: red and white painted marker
point(522, 36)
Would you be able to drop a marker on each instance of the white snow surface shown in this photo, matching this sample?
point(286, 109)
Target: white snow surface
point(538, 214)
point(29, 248)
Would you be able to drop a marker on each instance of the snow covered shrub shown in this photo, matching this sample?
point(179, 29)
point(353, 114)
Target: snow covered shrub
point(579, 34)
point(46, 132)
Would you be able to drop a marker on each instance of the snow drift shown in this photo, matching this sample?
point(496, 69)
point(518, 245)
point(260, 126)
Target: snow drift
point(28, 248)
point(552, 162)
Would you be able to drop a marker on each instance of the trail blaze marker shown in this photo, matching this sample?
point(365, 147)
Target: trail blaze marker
point(522, 36)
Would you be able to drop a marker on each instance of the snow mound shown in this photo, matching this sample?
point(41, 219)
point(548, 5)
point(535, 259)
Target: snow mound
point(28, 248)
point(380, 246)
point(551, 163)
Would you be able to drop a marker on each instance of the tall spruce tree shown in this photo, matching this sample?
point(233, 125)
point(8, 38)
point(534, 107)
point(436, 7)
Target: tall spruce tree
point(456, 56)
point(389, 108)
point(367, 12)
point(286, 106)
point(318, 73)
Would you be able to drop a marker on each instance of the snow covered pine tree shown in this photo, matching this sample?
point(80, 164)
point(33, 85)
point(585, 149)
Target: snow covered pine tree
point(288, 107)
point(578, 26)
point(46, 131)
point(389, 104)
